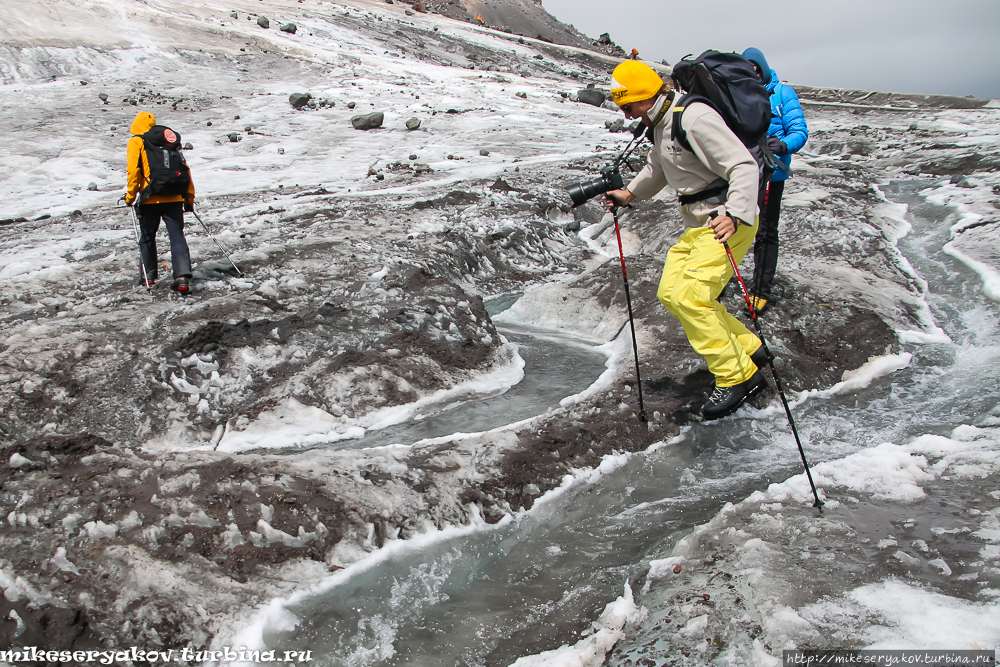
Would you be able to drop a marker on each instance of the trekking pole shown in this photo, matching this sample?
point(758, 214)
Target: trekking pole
point(774, 371)
point(217, 242)
point(628, 300)
point(138, 241)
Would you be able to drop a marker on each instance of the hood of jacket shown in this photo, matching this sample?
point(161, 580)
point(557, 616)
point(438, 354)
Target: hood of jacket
point(772, 82)
point(756, 56)
point(143, 123)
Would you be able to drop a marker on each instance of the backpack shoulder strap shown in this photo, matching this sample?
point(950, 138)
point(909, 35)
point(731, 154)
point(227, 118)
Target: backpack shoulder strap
point(677, 132)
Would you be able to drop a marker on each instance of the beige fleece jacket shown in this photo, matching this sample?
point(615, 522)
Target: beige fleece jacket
point(717, 152)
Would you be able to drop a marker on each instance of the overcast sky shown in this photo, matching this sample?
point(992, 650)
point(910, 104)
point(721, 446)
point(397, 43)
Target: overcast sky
point(918, 46)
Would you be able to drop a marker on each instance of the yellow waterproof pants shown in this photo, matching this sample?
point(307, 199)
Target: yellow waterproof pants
point(694, 274)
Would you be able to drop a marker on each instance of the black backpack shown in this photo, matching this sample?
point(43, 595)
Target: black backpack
point(169, 174)
point(728, 83)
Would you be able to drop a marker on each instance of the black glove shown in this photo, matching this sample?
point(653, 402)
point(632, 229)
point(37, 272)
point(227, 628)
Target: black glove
point(777, 146)
point(189, 208)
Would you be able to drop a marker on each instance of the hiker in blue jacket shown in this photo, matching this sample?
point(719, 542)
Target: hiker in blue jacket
point(787, 134)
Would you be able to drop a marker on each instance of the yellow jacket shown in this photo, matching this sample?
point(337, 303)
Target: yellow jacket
point(138, 165)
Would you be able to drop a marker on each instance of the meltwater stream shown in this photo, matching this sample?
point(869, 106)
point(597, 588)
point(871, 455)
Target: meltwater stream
point(492, 595)
point(556, 366)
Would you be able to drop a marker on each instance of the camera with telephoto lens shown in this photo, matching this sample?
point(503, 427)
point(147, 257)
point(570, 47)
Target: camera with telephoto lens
point(610, 179)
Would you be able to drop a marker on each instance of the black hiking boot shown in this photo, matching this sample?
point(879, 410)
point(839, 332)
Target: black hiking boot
point(724, 401)
point(181, 285)
point(761, 357)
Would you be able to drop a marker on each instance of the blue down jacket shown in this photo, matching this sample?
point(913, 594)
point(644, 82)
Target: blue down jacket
point(787, 120)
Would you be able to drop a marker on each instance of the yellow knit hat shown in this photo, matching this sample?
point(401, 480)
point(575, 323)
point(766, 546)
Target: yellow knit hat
point(634, 81)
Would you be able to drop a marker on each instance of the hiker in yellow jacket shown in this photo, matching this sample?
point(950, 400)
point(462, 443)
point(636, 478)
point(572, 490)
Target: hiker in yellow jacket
point(162, 190)
point(697, 267)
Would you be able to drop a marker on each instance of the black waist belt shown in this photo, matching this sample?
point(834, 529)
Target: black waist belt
point(715, 188)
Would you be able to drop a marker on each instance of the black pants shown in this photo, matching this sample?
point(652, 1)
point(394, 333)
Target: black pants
point(765, 248)
point(172, 214)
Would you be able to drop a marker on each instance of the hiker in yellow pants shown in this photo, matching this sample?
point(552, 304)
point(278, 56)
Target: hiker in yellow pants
point(693, 276)
point(716, 180)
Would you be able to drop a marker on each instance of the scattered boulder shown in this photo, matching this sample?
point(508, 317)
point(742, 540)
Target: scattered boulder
point(421, 169)
point(92, 186)
point(590, 96)
point(281, 151)
point(523, 96)
point(263, 22)
point(413, 156)
point(234, 137)
point(233, 14)
point(413, 124)
point(289, 27)
point(351, 105)
point(299, 100)
point(615, 125)
point(368, 121)
point(104, 97)
point(484, 152)
point(604, 39)
point(408, 12)
point(188, 146)
point(419, 6)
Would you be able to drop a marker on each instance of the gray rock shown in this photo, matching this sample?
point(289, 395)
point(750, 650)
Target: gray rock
point(233, 14)
point(408, 12)
point(368, 121)
point(590, 96)
point(289, 27)
point(571, 227)
point(92, 186)
point(413, 156)
point(299, 100)
point(104, 97)
point(234, 137)
point(413, 124)
point(615, 125)
point(281, 151)
point(263, 22)
point(421, 169)
point(188, 146)
point(351, 105)
point(484, 152)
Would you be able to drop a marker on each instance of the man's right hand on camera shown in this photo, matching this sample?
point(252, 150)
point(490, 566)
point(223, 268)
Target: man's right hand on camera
point(618, 198)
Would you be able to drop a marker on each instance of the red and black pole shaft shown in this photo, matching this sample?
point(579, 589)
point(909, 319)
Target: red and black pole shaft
point(774, 371)
point(631, 322)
